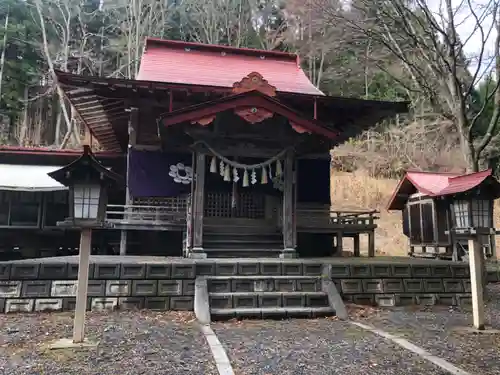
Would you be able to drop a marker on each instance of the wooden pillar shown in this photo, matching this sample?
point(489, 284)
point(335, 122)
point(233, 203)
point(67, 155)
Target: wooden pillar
point(189, 213)
point(132, 141)
point(339, 241)
point(198, 207)
point(288, 208)
point(357, 251)
point(476, 259)
point(371, 244)
point(493, 245)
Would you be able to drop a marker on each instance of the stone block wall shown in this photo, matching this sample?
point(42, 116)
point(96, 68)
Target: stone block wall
point(27, 287)
point(493, 276)
point(400, 284)
point(40, 286)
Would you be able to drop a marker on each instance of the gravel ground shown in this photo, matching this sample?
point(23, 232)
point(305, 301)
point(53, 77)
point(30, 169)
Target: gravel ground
point(435, 329)
point(319, 347)
point(131, 343)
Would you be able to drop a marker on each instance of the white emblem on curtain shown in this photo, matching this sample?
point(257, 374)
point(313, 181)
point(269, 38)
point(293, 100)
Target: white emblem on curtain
point(181, 174)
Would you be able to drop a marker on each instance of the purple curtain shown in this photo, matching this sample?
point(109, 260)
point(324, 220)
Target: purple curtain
point(159, 174)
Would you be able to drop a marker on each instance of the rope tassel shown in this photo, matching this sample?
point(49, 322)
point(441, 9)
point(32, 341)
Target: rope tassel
point(213, 165)
point(263, 178)
point(245, 178)
point(279, 169)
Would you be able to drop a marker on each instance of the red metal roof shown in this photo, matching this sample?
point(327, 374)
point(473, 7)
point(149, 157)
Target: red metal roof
point(437, 184)
point(221, 66)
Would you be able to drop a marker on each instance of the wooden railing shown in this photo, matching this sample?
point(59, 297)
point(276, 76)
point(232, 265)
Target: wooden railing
point(145, 215)
point(173, 211)
point(324, 217)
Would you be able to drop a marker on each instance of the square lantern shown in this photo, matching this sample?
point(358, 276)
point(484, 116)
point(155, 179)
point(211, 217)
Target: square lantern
point(88, 182)
point(473, 210)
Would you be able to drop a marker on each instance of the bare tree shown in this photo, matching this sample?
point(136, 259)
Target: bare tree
point(50, 63)
point(133, 22)
point(2, 57)
point(216, 21)
point(425, 39)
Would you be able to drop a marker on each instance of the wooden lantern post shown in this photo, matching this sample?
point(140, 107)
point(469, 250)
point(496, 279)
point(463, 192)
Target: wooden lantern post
point(476, 261)
point(473, 219)
point(88, 181)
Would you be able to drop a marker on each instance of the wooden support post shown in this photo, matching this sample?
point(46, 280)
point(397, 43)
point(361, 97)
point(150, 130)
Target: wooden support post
point(340, 243)
point(288, 208)
point(81, 291)
point(132, 141)
point(199, 207)
point(476, 274)
point(493, 245)
point(371, 244)
point(357, 251)
point(190, 204)
point(294, 208)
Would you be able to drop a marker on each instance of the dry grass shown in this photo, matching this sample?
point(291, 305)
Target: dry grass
point(359, 191)
point(350, 191)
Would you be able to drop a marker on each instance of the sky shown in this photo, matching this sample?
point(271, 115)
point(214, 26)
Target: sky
point(467, 28)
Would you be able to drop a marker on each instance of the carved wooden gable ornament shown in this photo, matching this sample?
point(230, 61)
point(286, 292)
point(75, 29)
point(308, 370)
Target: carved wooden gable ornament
point(252, 114)
point(254, 82)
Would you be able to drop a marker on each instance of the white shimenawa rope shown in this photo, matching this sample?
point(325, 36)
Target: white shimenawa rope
point(245, 166)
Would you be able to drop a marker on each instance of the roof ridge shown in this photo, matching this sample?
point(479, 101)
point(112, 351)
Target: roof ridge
point(487, 172)
point(224, 48)
point(435, 173)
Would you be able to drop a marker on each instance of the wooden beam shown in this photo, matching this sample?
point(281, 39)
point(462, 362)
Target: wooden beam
point(101, 113)
point(238, 101)
point(100, 107)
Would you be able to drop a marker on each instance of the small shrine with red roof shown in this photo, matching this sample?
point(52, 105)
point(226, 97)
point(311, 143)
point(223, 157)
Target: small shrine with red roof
point(226, 150)
point(437, 206)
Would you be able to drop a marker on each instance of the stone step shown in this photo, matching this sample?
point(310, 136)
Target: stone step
point(268, 300)
point(231, 232)
point(233, 228)
point(210, 241)
point(265, 277)
point(272, 313)
point(250, 284)
point(236, 245)
point(243, 252)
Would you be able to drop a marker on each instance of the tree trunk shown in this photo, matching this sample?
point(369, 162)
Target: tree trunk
point(2, 58)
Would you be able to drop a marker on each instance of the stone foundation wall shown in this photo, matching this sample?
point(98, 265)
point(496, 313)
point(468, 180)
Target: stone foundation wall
point(39, 285)
point(403, 284)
